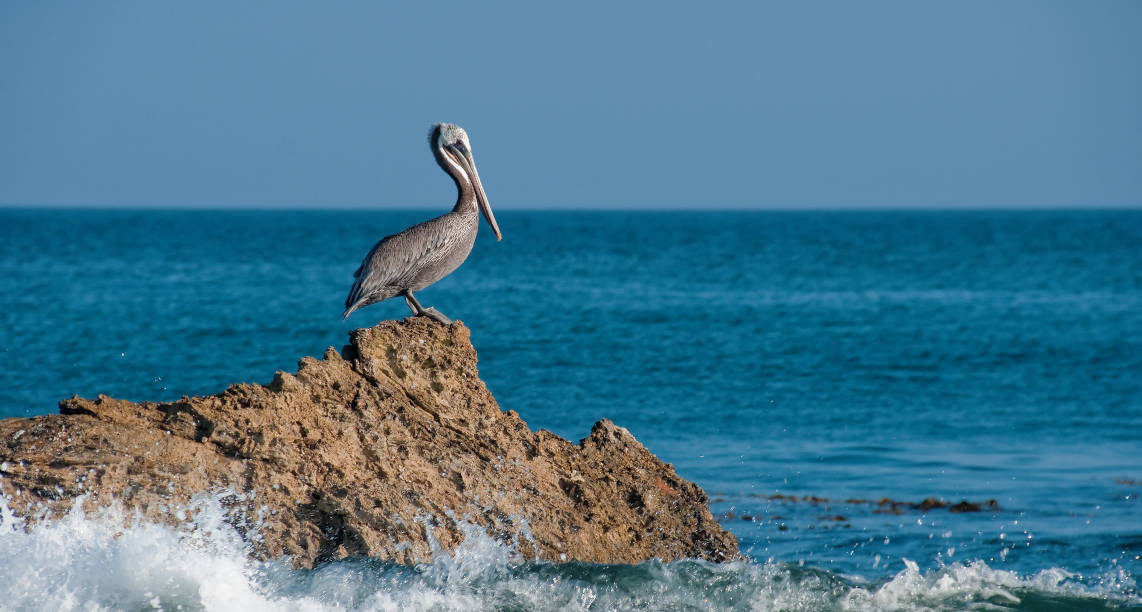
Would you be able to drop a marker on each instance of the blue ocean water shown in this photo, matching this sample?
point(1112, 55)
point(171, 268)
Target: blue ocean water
point(799, 366)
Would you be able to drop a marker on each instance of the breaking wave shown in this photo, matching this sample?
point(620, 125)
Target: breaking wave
point(111, 561)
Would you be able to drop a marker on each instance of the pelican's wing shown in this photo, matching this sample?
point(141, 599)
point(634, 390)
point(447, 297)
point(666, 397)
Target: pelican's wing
point(393, 263)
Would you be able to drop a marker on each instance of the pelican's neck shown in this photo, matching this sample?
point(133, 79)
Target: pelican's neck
point(465, 193)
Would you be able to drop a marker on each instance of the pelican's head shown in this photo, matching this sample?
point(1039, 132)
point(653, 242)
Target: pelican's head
point(450, 145)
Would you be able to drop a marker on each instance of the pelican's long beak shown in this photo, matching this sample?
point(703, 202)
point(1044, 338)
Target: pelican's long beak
point(481, 197)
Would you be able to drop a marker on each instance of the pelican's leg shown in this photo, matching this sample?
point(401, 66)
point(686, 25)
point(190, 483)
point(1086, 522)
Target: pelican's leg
point(421, 311)
point(413, 305)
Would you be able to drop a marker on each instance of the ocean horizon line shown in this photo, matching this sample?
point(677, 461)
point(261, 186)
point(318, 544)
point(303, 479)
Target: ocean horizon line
point(59, 207)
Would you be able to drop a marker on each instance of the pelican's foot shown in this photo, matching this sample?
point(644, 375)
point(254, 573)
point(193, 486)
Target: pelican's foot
point(435, 315)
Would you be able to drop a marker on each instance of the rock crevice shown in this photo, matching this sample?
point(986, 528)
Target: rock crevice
point(361, 453)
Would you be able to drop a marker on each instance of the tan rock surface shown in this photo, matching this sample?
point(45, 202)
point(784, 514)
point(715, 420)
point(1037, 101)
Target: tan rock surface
point(358, 454)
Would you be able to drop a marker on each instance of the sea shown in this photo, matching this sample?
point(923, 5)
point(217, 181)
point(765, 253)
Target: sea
point(891, 410)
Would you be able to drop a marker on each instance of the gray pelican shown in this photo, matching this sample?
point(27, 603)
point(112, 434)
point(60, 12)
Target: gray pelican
point(427, 252)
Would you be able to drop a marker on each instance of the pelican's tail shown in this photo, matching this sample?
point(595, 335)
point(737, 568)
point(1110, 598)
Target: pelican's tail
point(356, 299)
point(364, 293)
point(351, 305)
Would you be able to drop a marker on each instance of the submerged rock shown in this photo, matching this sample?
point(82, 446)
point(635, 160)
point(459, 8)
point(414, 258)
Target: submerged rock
point(376, 451)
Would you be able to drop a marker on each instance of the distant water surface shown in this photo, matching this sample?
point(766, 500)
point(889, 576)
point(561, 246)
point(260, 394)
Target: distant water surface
point(847, 356)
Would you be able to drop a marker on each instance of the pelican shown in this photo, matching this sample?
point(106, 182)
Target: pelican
point(427, 252)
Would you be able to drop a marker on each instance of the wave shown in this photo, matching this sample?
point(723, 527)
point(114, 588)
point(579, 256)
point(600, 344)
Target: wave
point(110, 560)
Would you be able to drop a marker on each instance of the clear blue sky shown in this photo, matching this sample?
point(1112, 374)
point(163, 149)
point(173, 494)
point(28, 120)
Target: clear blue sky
point(598, 104)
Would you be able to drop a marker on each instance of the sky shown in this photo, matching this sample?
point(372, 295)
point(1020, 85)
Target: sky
point(789, 105)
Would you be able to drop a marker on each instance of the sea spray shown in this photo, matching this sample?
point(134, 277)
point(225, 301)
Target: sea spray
point(110, 560)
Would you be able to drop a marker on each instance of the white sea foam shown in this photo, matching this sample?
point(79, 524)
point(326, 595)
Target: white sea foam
point(957, 585)
point(93, 562)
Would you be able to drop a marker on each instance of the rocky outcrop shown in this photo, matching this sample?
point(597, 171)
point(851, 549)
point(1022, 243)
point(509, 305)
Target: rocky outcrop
point(372, 451)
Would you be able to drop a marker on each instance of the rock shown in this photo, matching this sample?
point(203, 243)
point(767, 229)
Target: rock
point(930, 503)
point(363, 453)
